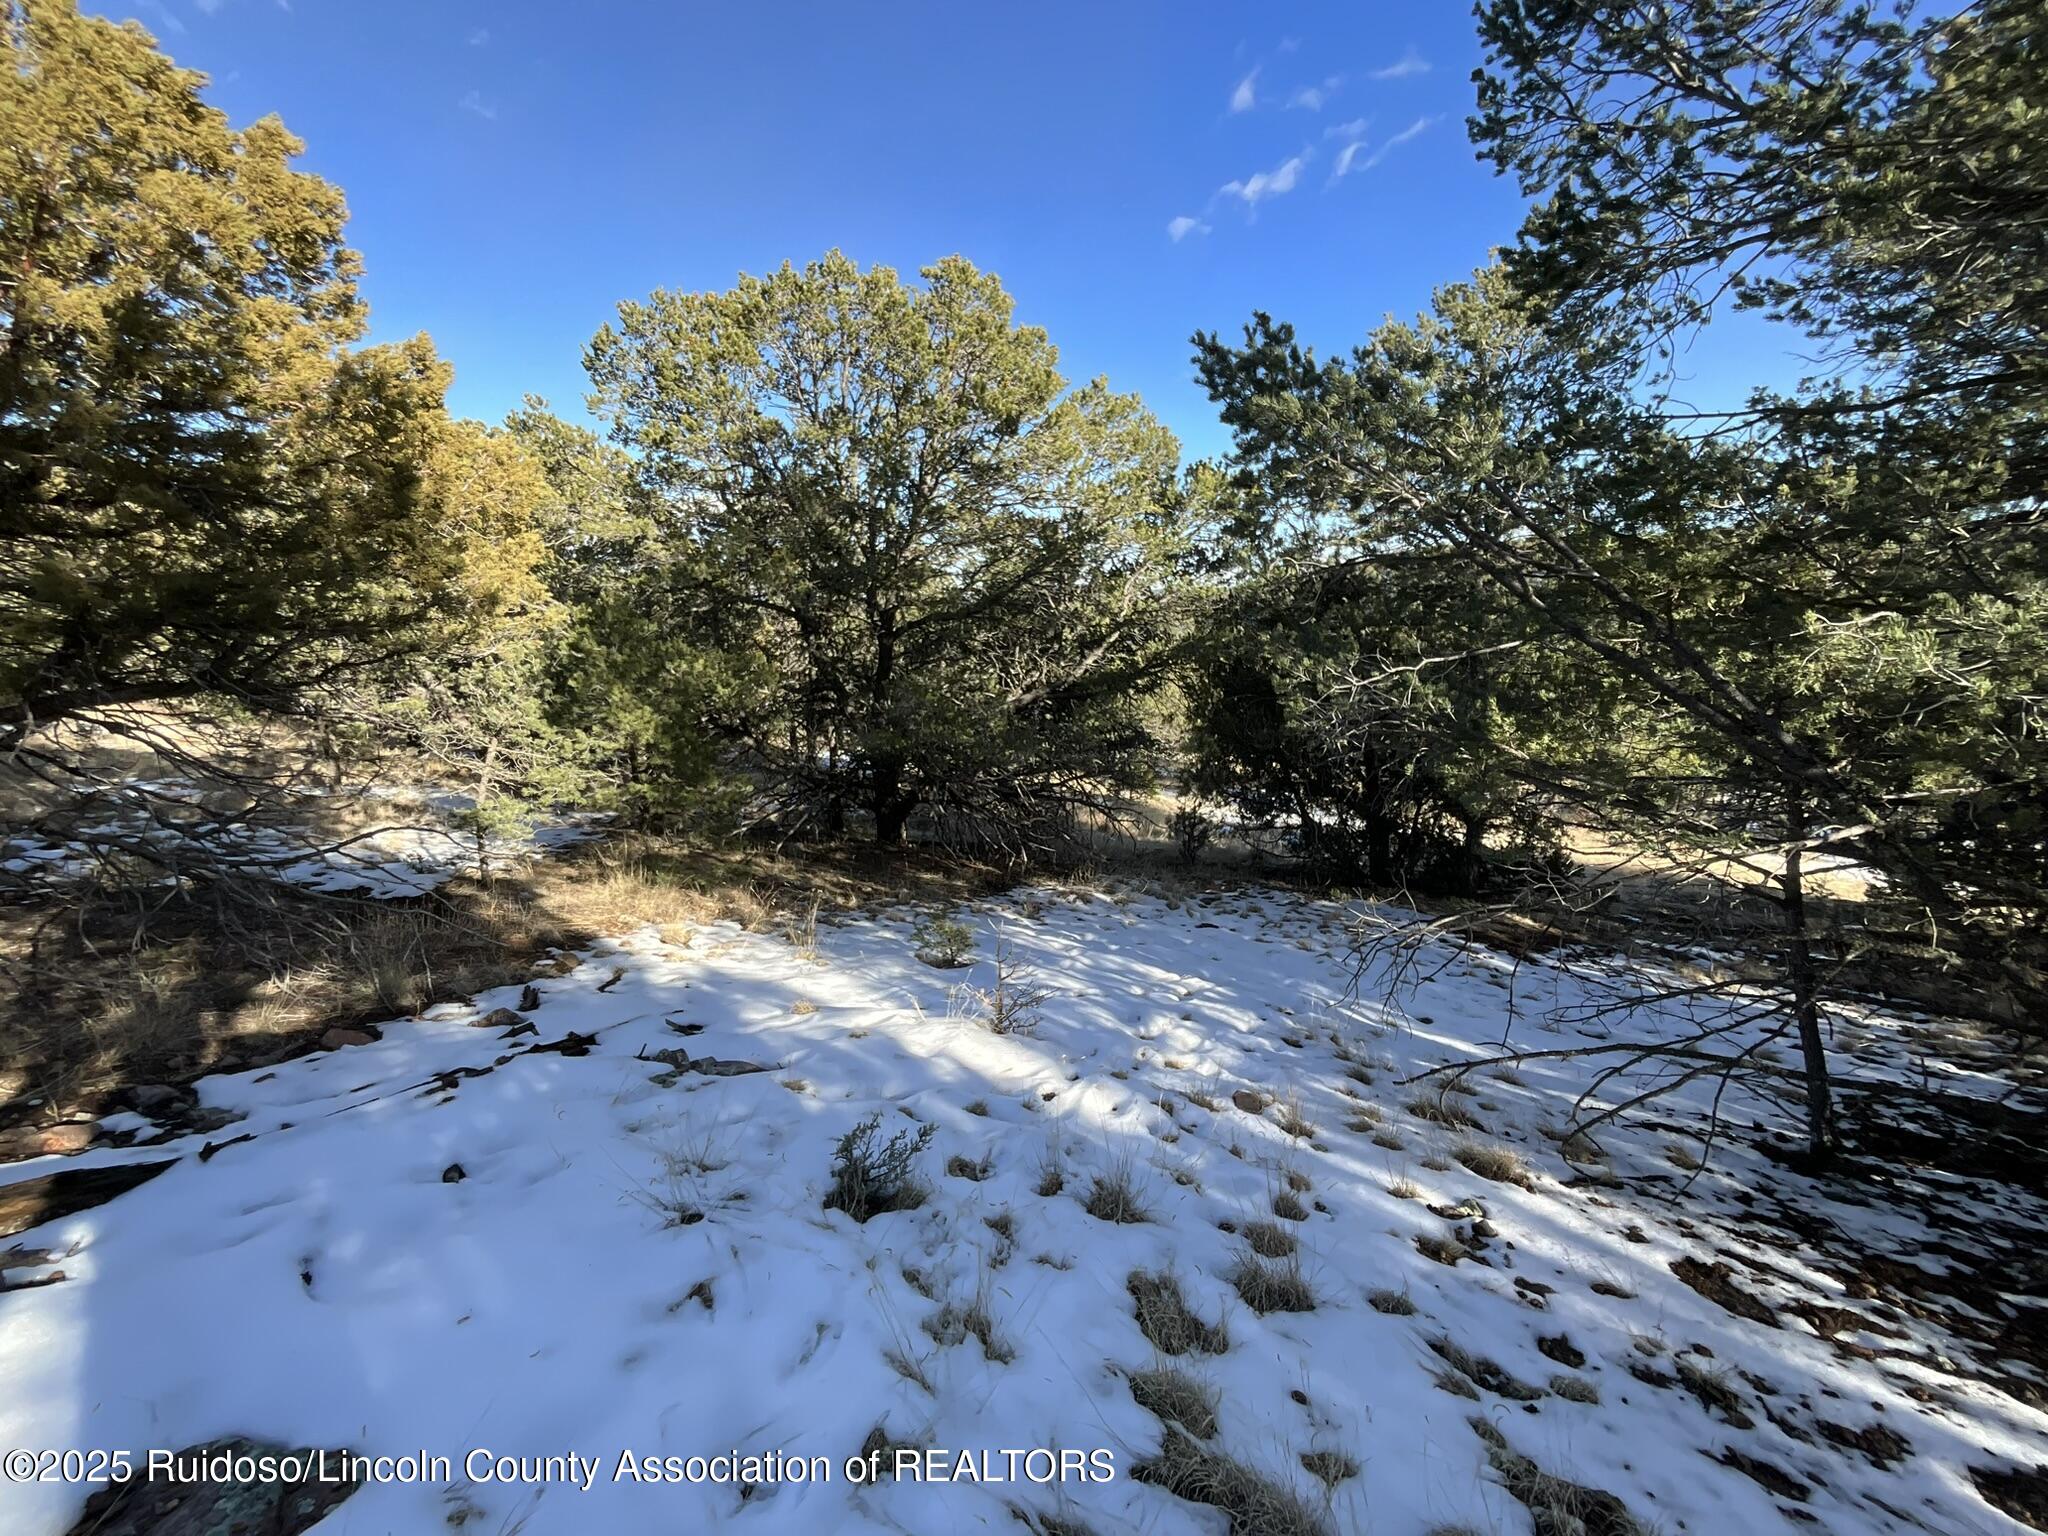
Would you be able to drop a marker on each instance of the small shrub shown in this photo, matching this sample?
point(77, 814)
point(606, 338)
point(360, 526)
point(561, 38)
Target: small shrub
point(870, 1176)
point(1168, 1323)
point(1288, 1207)
point(1387, 1139)
point(1191, 832)
point(945, 942)
point(1271, 1286)
point(958, 1167)
point(1010, 1006)
point(1393, 1303)
point(1405, 1189)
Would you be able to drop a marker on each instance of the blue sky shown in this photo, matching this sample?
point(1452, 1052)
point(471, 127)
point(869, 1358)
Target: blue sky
point(1133, 171)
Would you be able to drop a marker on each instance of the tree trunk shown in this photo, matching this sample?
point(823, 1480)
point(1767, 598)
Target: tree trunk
point(890, 805)
point(889, 822)
point(1820, 1114)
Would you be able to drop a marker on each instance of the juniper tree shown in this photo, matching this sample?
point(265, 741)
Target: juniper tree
point(947, 564)
point(203, 490)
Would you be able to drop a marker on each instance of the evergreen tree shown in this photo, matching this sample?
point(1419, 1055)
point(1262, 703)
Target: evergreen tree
point(944, 569)
point(202, 490)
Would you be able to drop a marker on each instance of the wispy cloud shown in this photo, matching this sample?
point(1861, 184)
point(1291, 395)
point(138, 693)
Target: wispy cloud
point(1313, 97)
point(1413, 129)
point(1179, 229)
point(474, 102)
point(1246, 96)
point(1410, 63)
point(479, 37)
point(207, 7)
point(1355, 129)
point(1256, 188)
point(1354, 155)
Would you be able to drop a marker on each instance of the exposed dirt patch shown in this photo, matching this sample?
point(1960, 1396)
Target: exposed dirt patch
point(31, 1202)
point(1714, 1281)
point(2021, 1492)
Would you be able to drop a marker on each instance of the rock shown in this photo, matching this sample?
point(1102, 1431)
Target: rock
point(497, 1018)
point(711, 1066)
point(211, 1500)
point(32, 1202)
point(1251, 1101)
point(155, 1099)
point(338, 1037)
point(453, 1174)
point(47, 1140)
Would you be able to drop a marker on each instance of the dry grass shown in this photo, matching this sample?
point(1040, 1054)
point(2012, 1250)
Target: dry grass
point(94, 997)
point(1113, 1197)
point(1443, 1112)
point(1574, 1389)
point(1268, 1239)
point(1253, 1504)
point(1177, 1400)
point(1329, 1467)
point(1492, 1162)
point(1169, 1324)
point(1293, 1122)
point(1270, 1285)
point(1288, 1207)
point(956, 1322)
point(1482, 1372)
point(1393, 1303)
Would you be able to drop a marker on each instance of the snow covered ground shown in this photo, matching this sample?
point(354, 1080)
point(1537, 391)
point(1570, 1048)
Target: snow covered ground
point(537, 1240)
point(382, 863)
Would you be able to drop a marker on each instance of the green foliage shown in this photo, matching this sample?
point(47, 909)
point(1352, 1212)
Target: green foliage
point(870, 1176)
point(944, 941)
point(201, 490)
point(1878, 179)
point(933, 571)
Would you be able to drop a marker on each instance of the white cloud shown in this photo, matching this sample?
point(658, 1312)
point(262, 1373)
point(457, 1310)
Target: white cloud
point(1355, 129)
point(479, 37)
point(1398, 140)
point(1410, 63)
point(474, 102)
point(1179, 229)
point(1312, 97)
point(1348, 158)
point(1246, 96)
point(1256, 188)
point(207, 7)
